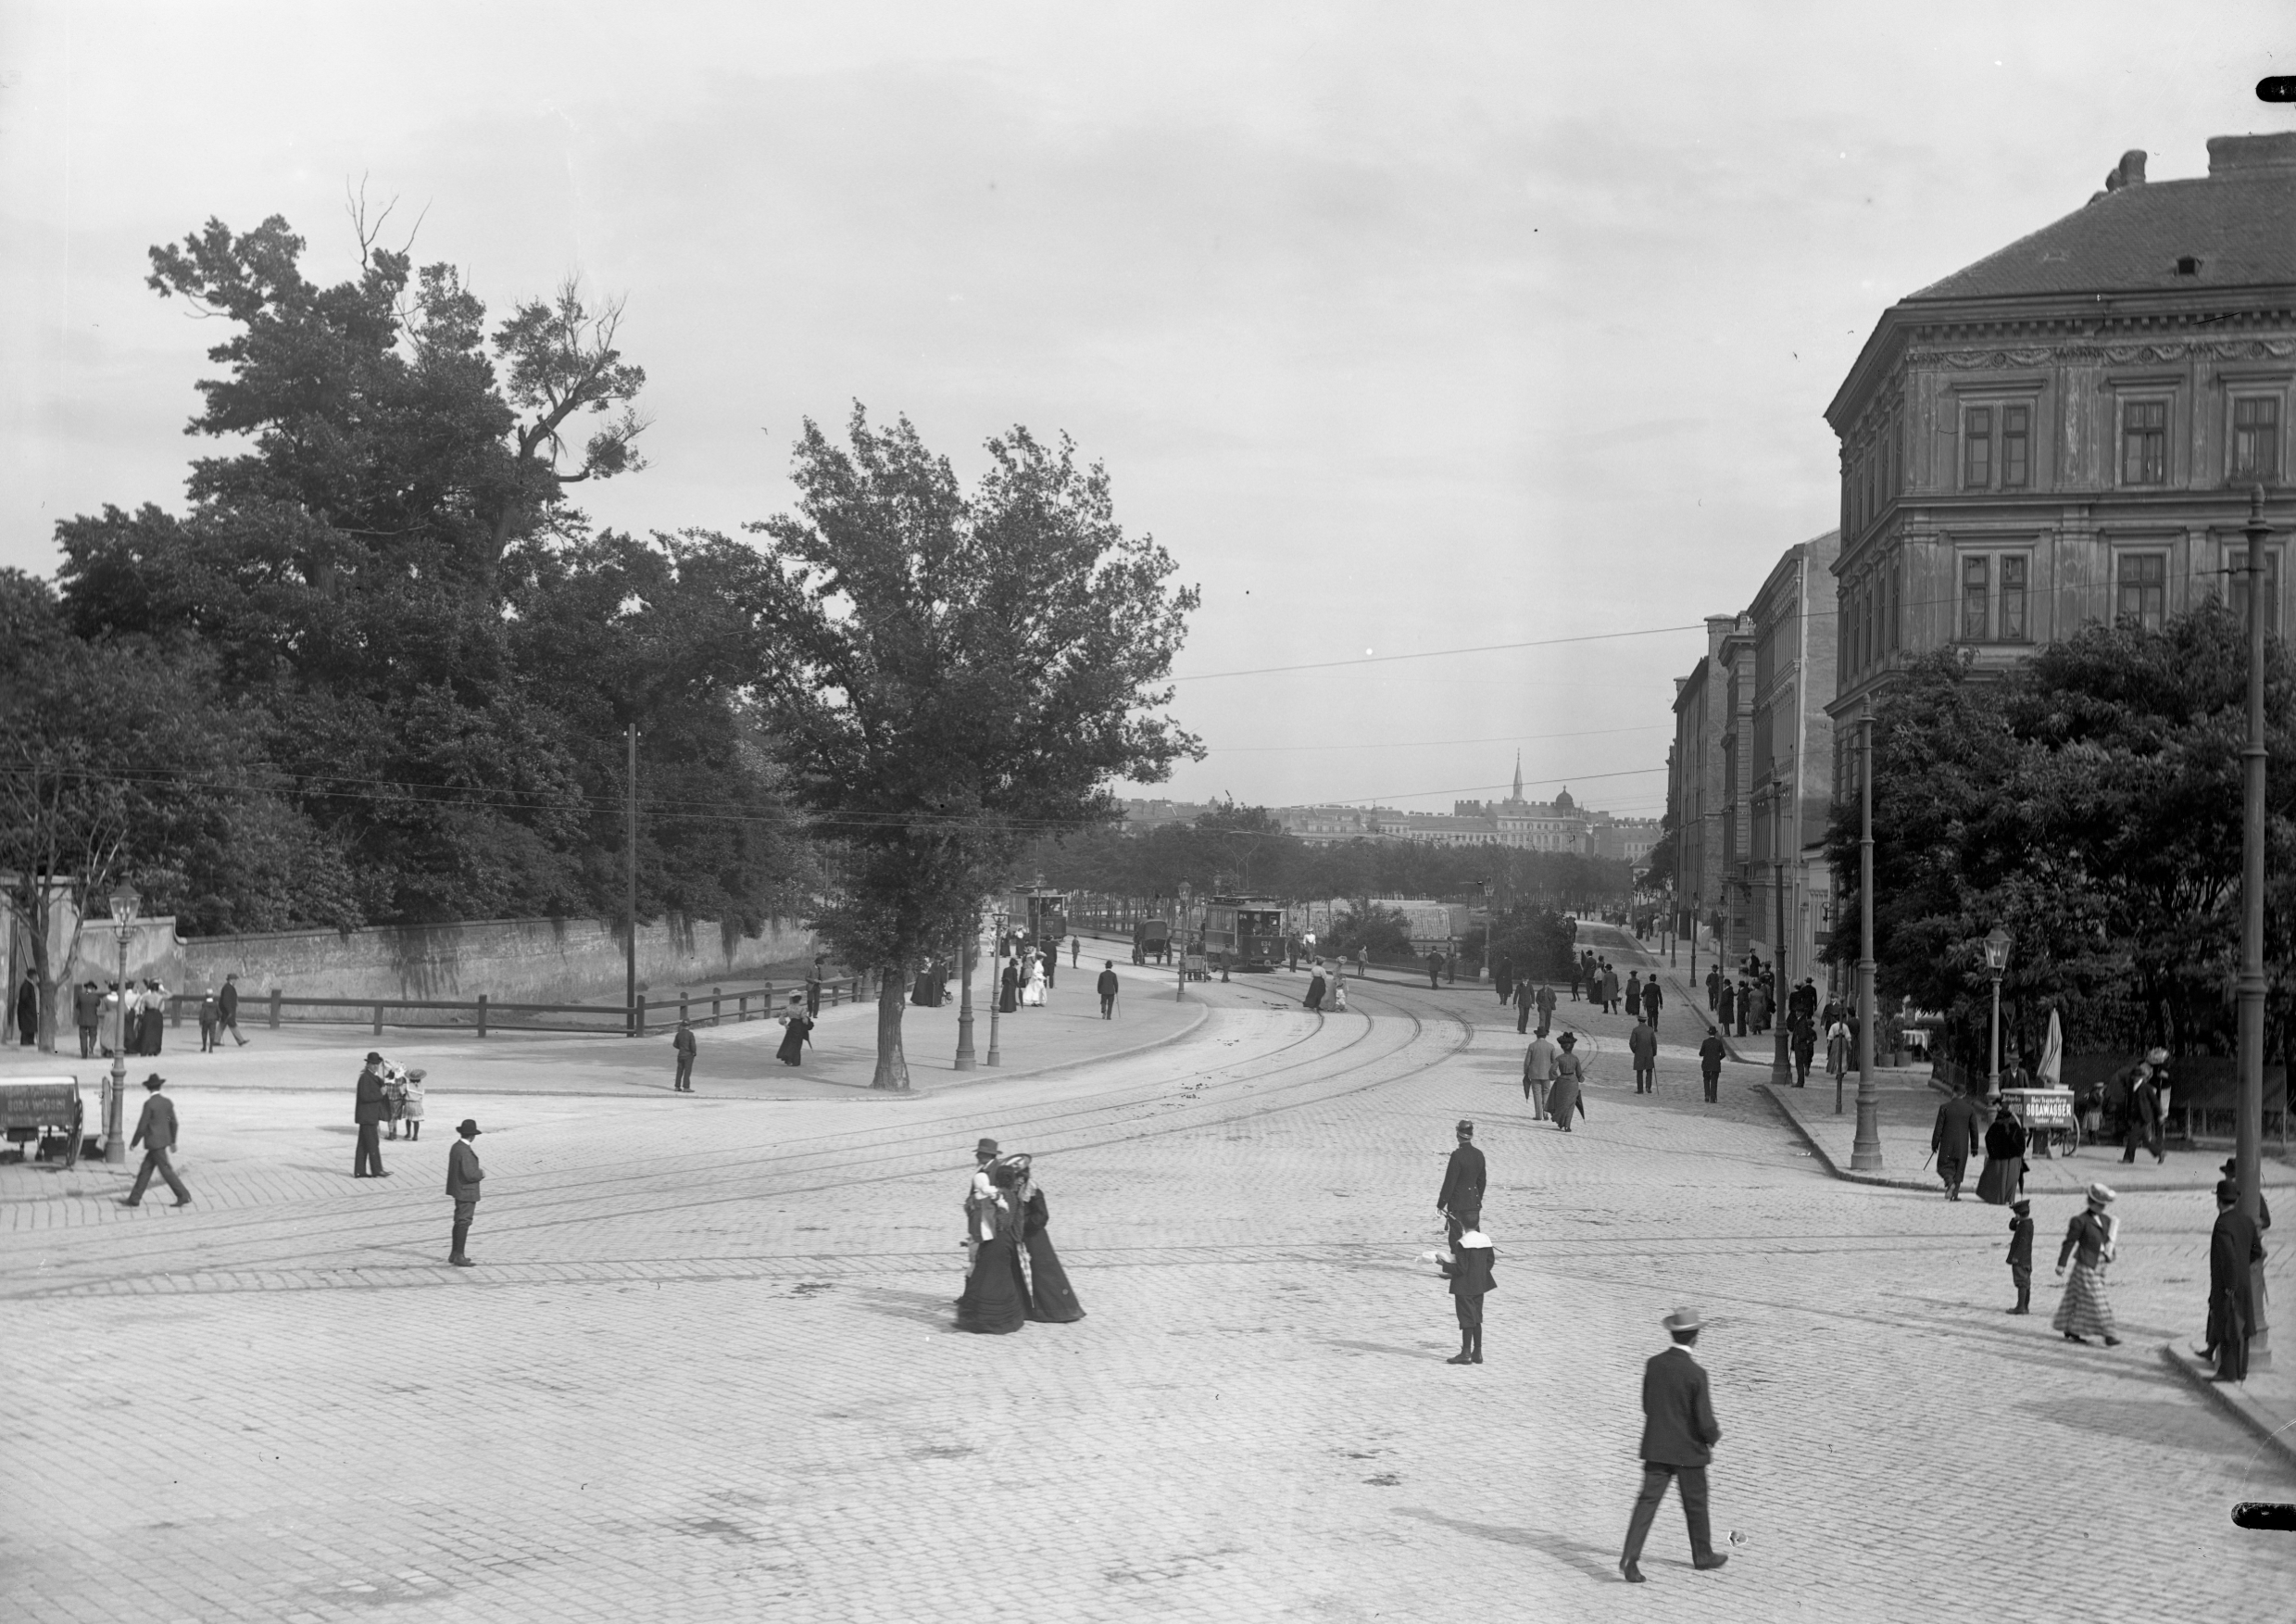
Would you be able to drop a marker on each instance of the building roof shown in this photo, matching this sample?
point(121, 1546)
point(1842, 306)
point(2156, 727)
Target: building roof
point(2235, 227)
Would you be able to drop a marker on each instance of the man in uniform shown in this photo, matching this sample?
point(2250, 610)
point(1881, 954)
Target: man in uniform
point(369, 1111)
point(463, 1173)
point(1679, 1438)
point(1460, 1199)
point(155, 1130)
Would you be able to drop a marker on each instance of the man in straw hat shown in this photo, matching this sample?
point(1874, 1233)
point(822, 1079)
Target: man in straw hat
point(2090, 1241)
point(463, 1175)
point(1679, 1438)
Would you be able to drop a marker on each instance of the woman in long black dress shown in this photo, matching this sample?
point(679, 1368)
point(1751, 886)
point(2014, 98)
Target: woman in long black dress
point(1051, 1299)
point(995, 1297)
point(797, 1031)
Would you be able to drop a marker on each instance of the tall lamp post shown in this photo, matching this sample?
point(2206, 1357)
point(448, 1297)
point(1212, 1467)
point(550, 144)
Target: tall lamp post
point(2248, 1150)
point(996, 992)
point(1865, 1149)
point(124, 903)
point(1996, 961)
point(1781, 1064)
point(968, 946)
point(1180, 989)
point(1490, 925)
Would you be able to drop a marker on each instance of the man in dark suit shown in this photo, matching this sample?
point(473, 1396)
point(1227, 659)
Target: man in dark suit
point(463, 1175)
point(227, 1008)
point(1653, 1001)
point(2233, 1248)
point(1678, 1438)
point(155, 1130)
point(1642, 1044)
point(369, 1112)
point(1460, 1199)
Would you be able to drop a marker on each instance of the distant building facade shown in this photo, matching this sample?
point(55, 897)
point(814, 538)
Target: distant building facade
point(2067, 431)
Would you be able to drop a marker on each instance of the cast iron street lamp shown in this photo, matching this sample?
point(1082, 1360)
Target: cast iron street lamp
point(996, 992)
point(1865, 1151)
point(1782, 1065)
point(1180, 989)
point(1996, 961)
point(1490, 924)
point(124, 904)
point(968, 941)
point(2248, 1150)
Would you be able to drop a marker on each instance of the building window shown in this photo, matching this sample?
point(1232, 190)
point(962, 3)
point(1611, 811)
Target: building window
point(2144, 442)
point(2012, 628)
point(2256, 440)
point(2016, 447)
point(1976, 595)
point(2236, 572)
point(1977, 447)
point(2141, 590)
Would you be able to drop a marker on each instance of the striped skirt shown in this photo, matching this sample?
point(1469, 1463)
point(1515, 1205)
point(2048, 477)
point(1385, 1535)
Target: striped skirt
point(2085, 1311)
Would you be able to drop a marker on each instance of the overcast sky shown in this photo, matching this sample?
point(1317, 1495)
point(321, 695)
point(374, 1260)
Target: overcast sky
point(1403, 327)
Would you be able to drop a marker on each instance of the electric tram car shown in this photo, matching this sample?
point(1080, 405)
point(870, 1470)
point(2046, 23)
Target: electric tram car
point(1037, 914)
point(1246, 932)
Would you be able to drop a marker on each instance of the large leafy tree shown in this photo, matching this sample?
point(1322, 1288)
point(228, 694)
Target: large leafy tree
point(2089, 803)
point(386, 569)
point(959, 673)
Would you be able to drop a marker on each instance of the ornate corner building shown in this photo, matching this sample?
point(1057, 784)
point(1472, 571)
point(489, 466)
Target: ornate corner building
point(2067, 431)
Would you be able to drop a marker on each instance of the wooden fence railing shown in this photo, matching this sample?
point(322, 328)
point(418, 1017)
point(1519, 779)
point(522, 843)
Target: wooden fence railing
point(718, 1006)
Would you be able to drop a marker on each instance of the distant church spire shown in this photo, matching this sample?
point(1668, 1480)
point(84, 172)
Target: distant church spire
point(1518, 776)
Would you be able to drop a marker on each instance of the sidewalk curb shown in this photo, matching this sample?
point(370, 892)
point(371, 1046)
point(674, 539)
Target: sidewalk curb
point(1203, 1013)
point(1825, 1157)
point(2232, 1399)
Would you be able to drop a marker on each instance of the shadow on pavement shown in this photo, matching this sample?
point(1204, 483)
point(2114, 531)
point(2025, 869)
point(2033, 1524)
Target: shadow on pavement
point(1594, 1561)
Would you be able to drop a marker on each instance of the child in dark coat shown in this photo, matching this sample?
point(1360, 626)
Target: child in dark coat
point(1468, 1269)
point(2021, 1253)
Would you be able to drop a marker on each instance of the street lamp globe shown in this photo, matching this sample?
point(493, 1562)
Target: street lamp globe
point(1997, 950)
point(124, 903)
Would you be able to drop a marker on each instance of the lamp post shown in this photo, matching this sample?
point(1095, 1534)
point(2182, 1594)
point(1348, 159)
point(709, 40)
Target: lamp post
point(1782, 1064)
point(124, 903)
point(2249, 1131)
point(1996, 961)
point(968, 944)
point(1490, 924)
point(997, 993)
point(1865, 1149)
point(1180, 988)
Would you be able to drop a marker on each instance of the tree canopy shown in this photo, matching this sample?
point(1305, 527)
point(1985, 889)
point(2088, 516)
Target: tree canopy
point(2088, 802)
point(957, 674)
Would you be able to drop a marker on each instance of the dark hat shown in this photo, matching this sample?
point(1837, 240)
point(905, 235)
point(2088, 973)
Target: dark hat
point(1466, 1129)
point(1567, 1038)
point(985, 1148)
point(153, 1082)
point(373, 1057)
point(469, 1129)
point(2227, 1191)
point(2231, 1170)
point(2020, 1205)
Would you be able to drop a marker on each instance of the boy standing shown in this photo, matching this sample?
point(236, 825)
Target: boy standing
point(2021, 1253)
point(1469, 1270)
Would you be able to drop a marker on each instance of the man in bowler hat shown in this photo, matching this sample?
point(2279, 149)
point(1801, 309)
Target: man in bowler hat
point(1679, 1438)
point(155, 1130)
point(463, 1173)
point(1460, 1199)
point(369, 1111)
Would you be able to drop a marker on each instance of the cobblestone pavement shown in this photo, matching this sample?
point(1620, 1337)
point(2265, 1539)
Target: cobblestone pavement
point(707, 1372)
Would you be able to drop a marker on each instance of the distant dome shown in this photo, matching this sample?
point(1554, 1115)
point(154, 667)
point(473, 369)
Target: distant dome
point(1563, 802)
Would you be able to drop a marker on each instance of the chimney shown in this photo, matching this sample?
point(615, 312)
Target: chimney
point(2129, 171)
point(2227, 153)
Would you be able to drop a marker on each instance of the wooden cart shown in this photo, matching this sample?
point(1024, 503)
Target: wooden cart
point(2048, 1117)
point(37, 1112)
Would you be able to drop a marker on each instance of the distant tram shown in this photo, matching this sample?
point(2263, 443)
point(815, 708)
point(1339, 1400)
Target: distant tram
point(1247, 932)
point(1038, 914)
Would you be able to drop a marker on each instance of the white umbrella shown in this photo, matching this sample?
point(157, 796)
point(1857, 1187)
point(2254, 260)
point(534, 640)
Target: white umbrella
point(2053, 1055)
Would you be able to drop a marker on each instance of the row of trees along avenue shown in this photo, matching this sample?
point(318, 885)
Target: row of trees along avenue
point(2088, 802)
point(379, 666)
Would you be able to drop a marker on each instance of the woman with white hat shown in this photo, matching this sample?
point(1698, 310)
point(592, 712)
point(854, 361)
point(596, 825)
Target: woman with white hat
point(2091, 1240)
